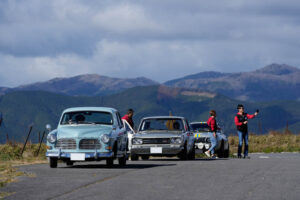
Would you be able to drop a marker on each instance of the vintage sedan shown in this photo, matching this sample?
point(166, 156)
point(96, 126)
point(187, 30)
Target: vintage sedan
point(163, 136)
point(202, 139)
point(88, 134)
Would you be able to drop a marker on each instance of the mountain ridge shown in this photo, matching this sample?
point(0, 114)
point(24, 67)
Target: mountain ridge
point(272, 82)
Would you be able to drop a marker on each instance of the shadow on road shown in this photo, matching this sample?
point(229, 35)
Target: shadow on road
point(177, 160)
point(103, 166)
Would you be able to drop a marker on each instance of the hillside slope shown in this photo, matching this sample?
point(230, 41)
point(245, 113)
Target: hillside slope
point(273, 82)
point(86, 85)
point(23, 108)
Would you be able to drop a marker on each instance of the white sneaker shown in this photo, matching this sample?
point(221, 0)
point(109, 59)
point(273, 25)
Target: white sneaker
point(207, 153)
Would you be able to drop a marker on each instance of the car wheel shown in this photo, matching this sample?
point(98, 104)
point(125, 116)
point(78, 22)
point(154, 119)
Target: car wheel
point(226, 152)
point(183, 154)
point(69, 163)
point(53, 162)
point(192, 154)
point(221, 150)
point(122, 161)
point(145, 157)
point(109, 162)
point(134, 157)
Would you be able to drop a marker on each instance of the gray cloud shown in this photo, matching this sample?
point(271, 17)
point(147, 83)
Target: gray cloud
point(161, 40)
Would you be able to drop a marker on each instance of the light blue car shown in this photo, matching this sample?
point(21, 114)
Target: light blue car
point(88, 134)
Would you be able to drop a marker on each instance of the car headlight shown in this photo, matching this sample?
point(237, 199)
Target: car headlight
point(176, 140)
point(137, 141)
point(51, 138)
point(105, 138)
point(207, 146)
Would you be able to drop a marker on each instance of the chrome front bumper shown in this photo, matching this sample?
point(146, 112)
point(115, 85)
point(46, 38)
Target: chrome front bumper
point(166, 150)
point(89, 155)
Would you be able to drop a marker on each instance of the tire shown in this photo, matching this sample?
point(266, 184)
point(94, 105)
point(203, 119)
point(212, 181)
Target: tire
point(53, 162)
point(192, 155)
point(145, 157)
point(226, 152)
point(110, 162)
point(69, 163)
point(221, 150)
point(183, 154)
point(122, 161)
point(134, 157)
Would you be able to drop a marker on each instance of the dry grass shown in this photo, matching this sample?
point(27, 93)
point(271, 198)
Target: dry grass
point(272, 142)
point(10, 158)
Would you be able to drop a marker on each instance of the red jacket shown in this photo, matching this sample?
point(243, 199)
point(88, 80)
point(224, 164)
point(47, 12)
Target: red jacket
point(239, 119)
point(211, 122)
point(129, 120)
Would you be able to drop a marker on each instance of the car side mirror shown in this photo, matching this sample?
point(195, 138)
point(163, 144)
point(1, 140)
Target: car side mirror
point(48, 127)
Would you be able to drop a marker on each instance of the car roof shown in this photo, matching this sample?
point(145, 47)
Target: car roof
point(101, 109)
point(163, 117)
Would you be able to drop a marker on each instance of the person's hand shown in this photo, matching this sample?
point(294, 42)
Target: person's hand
point(256, 113)
point(215, 134)
point(245, 122)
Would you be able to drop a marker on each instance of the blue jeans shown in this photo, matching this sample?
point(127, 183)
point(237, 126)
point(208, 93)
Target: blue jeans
point(243, 136)
point(213, 141)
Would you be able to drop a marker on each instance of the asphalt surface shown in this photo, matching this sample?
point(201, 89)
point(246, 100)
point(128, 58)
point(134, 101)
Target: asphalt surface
point(264, 176)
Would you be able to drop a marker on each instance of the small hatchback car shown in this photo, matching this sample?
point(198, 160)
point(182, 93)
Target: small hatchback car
point(88, 134)
point(202, 139)
point(163, 136)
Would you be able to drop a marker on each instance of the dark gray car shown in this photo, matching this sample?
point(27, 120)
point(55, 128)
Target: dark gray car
point(163, 136)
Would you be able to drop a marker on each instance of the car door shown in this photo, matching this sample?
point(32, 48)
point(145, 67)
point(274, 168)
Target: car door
point(130, 133)
point(190, 135)
point(122, 135)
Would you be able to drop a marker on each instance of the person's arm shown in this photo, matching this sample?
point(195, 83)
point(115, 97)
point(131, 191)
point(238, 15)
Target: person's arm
point(237, 122)
point(250, 116)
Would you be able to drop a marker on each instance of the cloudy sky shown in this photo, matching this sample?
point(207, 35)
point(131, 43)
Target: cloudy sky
point(158, 39)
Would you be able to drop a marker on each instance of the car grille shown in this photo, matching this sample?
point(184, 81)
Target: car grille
point(66, 143)
point(89, 144)
point(203, 139)
point(156, 141)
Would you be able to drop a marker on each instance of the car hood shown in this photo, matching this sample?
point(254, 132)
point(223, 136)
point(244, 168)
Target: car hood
point(83, 131)
point(151, 134)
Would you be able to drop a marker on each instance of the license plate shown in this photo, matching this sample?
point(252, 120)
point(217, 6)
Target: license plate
point(77, 156)
point(156, 150)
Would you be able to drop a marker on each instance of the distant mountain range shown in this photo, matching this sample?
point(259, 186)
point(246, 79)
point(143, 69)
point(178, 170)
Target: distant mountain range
point(21, 108)
point(84, 85)
point(273, 82)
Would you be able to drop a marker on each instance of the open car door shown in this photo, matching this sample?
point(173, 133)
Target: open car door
point(130, 133)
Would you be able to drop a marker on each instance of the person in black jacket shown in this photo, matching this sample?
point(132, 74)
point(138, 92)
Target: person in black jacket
point(241, 122)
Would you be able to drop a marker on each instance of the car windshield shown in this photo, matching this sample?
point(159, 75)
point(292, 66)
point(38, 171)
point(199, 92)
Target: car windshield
point(200, 127)
point(162, 124)
point(87, 117)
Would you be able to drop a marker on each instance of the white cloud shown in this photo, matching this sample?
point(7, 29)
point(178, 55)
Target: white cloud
point(161, 40)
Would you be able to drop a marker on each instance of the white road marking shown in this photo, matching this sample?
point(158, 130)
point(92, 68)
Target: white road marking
point(264, 157)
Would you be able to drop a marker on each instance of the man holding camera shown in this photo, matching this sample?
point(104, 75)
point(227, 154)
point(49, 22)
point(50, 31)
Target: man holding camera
point(241, 122)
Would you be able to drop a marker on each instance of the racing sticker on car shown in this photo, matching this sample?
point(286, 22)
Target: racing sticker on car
point(197, 135)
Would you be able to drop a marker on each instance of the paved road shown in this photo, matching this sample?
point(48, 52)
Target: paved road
point(264, 176)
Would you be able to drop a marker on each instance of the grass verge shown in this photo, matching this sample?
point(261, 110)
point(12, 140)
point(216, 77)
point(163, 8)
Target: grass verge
point(10, 159)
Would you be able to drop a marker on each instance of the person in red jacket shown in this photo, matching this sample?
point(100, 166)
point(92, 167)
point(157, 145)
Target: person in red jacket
point(128, 117)
point(241, 122)
point(211, 122)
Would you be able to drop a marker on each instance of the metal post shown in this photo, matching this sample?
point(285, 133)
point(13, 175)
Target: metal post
point(41, 141)
point(39, 136)
point(7, 138)
point(30, 129)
